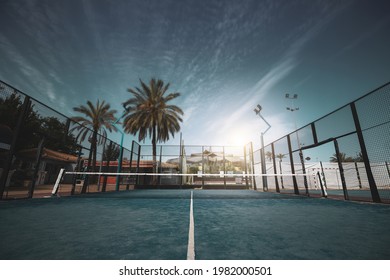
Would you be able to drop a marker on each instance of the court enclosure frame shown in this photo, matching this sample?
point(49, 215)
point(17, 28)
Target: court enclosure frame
point(344, 154)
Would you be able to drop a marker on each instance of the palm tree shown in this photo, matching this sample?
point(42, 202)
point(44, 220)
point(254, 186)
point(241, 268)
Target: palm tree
point(359, 157)
point(343, 158)
point(111, 152)
point(94, 124)
point(280, 157)
point(149, 114)
point(269, 155)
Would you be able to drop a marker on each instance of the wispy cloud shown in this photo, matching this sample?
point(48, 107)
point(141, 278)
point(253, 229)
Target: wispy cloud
point(364, 36)
point(37, 79)
point(290, 59)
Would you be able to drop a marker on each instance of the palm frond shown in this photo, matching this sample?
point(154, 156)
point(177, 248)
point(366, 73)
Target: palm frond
point(148, 110)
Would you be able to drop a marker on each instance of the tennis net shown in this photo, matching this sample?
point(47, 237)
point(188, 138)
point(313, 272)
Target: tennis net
point(69, 182)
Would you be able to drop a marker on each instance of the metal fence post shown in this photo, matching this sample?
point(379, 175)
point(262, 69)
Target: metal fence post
point(296, 190)
point(263, 165)
point(253, 166)
point(366, 160)
point(138, 161)
point(3, 178)
point(203, 165)
point(36, 167)
point(246, 168)
point(341, 169)
point(358, 175)
point(275, 168)
point(304, 172)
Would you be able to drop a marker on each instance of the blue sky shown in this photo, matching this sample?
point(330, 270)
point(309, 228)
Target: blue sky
point(224, 57)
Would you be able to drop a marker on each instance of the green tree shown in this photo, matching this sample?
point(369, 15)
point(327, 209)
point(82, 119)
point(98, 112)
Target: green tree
point(34, 126)
point(149, 113)
point(96, 120)
point(10, 109)
point(57, 137)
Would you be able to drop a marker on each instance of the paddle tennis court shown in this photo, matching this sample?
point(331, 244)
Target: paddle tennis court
point(193, 224)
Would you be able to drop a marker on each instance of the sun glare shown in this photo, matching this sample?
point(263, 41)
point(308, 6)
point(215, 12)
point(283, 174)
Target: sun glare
point(238, 137)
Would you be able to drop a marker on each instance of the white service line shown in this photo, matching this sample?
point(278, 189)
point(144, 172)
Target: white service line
point(191, 239)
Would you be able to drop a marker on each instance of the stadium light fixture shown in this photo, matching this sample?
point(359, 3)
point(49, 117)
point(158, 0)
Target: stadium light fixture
point(257, 111)
point(262, 153)
point(292, 98)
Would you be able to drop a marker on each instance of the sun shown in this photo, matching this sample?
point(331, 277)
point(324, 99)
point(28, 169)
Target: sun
point(237, 137)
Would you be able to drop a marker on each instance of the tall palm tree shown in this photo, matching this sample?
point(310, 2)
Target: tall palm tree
point(281, 157)
point(149, 113)
point(94, 124)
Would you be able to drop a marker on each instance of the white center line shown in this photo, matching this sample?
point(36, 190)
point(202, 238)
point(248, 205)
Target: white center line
point(191, 239)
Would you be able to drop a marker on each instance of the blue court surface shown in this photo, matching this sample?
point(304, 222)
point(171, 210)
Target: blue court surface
point(154, 225)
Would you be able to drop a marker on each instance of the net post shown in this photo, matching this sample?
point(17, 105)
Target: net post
point(58, 181)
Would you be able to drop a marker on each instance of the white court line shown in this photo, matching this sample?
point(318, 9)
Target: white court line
point(191, 239)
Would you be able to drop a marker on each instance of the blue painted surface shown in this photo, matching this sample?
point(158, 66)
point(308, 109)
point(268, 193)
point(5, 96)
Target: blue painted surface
point(153, 224)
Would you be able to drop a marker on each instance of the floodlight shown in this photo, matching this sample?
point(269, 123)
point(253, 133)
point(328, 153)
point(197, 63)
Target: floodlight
point(257, 109)
point(295, 96)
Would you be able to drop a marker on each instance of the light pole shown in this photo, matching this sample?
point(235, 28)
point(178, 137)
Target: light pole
point(293, 109)
point(262, 154)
